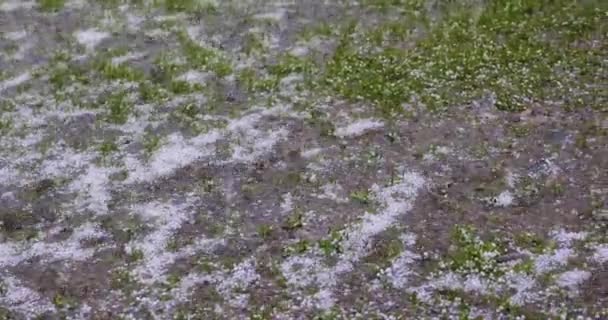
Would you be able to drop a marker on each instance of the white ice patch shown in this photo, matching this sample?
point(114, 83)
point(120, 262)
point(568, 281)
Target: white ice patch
point(12, 253)
point(92, 189)
point(277, 15)
point(523, 285)
point(16, 35)
point(333, 191)
point(12, 5)
point(194, 76)
point(241, 277)
point(572, 279)
point(302, 271)
point(90, 38)
point(400, 270)
point(601, 254)
point(257, 143)
point(127, 57)
point(358, 128)
point(176, 153)
point(311, 153)
point(166, 219)
point(504, 199)
point(232, 285)
point(23, 300)
point(287, 204)
point(13, 82)
point(550, 261)
point(67, 161)
point(565, 238)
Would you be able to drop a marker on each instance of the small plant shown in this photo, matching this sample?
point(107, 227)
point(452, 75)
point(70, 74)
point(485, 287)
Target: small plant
point(150, 92)
point(200, 57)
point(191, 6)
point(61, 301)
point(473, 255)
point(296, 248)
point(135, 255)
point(265, 231)
point(294, 221)
point(121, 279)
point(119, 108)
point(361, 196)
point(183, 87)
point(107, 147)
point(190, 110)
point(331, 245)
point(151, 143)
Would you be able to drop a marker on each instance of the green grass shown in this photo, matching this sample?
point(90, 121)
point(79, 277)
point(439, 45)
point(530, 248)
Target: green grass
point(119, 108)
point(204, 58)
point(520, 51)
point(190, 6)
point(51, 5)
point(108, 147)
point(122, 71)
point(472, 255)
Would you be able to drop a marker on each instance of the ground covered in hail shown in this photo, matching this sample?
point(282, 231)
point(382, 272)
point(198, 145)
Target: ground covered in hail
point(319, 159)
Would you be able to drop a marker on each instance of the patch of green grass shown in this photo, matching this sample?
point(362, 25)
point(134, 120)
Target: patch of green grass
point(362, 196)
point(121, 279)
point(265, 231)
point(208, 59)
point(166, 68)
point(332, 244)
point(5, 124)
point(119, 108)
point(189, 110)
point(253, 44)
point(61, 301)
point(296, 248)
point(294, 221)
point(135, 256)
point(108, 147)
point(251, 81)
point(519, 51)
point(51, 5)
point(151, 92)
point(472, 255)
point(63, 73)
point(183, 87)
point(190, 6)
point(151, 143)
point(532, 242)
point(118, 71)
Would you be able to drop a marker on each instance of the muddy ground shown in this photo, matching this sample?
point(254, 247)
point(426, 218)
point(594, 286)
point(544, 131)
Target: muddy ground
point(278, 160)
